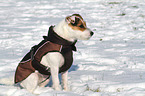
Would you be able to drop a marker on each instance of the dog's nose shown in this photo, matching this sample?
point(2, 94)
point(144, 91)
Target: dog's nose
point(92, 33)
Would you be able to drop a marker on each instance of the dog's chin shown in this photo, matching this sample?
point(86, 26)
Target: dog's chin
point(85, 38)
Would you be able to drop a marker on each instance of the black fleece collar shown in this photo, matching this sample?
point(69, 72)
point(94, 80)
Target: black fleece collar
point(54, 38)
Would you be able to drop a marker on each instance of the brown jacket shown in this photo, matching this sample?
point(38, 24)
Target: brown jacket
point(51, 43)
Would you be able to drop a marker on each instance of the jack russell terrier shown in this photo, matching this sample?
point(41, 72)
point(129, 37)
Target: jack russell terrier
point(53, 55)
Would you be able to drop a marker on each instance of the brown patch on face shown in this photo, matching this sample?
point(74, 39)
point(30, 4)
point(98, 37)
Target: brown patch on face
point(78, 15)
point(78, 24)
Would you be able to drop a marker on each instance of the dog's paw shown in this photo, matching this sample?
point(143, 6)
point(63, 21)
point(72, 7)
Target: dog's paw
point(57, 89)
point(66, 89)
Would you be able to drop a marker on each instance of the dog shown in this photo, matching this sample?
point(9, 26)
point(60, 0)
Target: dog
point(53, 55)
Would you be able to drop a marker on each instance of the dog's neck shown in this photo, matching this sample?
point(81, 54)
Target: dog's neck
point(62, 29)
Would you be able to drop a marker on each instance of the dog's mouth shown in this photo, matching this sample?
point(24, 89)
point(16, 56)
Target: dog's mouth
point(87, 37)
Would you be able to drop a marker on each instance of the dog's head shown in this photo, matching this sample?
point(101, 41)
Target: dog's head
point(78, 27)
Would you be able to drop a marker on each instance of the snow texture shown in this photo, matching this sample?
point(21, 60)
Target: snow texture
point(111, 63)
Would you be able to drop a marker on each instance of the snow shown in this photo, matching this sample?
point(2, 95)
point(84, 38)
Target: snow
point(111, 63)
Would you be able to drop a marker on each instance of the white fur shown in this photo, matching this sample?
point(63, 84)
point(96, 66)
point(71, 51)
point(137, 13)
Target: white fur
point(65, 31)
point(54, 60)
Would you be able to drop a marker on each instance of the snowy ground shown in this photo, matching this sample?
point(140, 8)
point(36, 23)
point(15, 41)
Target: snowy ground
point(111, 63)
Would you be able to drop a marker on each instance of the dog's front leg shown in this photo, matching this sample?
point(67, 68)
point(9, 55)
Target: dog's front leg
point(55, 78)
point(65, 80)
point(54, 60)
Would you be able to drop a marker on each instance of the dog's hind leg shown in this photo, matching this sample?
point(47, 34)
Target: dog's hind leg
point(44, 82)
point(31, 82)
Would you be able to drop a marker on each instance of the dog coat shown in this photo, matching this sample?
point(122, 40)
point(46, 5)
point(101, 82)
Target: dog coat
point(51, 43)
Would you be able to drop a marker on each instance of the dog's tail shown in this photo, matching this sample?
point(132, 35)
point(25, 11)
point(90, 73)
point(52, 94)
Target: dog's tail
point(7, 81)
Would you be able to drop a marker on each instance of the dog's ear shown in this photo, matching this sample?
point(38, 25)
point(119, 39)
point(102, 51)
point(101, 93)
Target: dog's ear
point(70, 19)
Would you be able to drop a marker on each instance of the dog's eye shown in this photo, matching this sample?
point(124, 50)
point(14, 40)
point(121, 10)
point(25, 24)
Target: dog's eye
point(81, 26)
point(72, 21)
